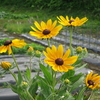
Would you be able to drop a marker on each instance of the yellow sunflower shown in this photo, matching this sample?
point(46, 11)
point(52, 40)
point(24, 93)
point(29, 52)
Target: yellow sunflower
point(92, 81)
point(59, 60)
point(45, 30)
point(71, 22)
point(5, 64)
point(9, 43)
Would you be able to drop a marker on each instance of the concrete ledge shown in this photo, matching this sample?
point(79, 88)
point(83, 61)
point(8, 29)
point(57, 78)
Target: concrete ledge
point(8, 94)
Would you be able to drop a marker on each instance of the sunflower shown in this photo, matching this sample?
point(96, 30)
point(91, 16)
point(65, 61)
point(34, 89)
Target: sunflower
point(5, 65)
point(92, 81)
point(71, 22)
point(9, 43)
point(58, 60)
point(45, 30)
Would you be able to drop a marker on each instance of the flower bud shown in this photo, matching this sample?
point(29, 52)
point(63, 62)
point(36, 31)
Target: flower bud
point(24, 85)
point(30, 49)
point(79, 49)
point(38, 53)
point(5, 65)
point(67, 81)
point(85, 49)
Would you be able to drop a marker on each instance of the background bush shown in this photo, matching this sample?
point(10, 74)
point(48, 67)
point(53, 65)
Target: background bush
point(91, 5)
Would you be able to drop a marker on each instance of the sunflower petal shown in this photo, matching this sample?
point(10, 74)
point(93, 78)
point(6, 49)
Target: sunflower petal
point(9, 50)
point(66, 55)
point(49, 24)
point(43, 25)
point(37, 25)
point(34, 29)
point(3, 49)
point(60, 51)
point(71, 60)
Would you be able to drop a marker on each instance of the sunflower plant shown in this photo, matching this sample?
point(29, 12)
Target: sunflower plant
point(57, 77)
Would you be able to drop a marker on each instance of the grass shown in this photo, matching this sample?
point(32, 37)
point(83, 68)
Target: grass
point(19, 21)
point(17, 26)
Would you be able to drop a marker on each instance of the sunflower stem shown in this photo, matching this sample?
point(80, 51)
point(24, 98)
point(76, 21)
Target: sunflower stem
point(48, 42)
point(29, 95)
point(53, 82)
point(71, 39)
point(13, 76)
point(71, 31)
point(31, 63)
point(16, 63)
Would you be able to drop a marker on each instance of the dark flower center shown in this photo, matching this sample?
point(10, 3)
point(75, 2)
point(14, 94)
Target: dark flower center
point(90, 82)
point(46, 32)
point(71, 21)
point(7, 42)
point(59, 61)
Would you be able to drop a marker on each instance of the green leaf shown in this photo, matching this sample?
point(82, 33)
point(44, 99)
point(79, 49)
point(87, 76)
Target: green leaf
point(81, 93)
point(13, 88)
point(39, 97)
point(46, 73)
point(70, 97)
point(28, 74)
point(45, 88)
point(68, 74)
point(33, 87)
point(60, 92)
point(83, 65)
point(72, 49)
point(20, 79)
point(65, 96)
point(77, 83)
point(75, 77)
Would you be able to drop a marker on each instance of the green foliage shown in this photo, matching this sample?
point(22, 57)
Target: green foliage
point(68, 75)
point(17, 27)
point(91, 5)
point(20, 79)
point(27, 74)
point(46, 73)
point(40, 4)
point(46, 89)
point(77, 83)
point(33, 87)
point(8, 15)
